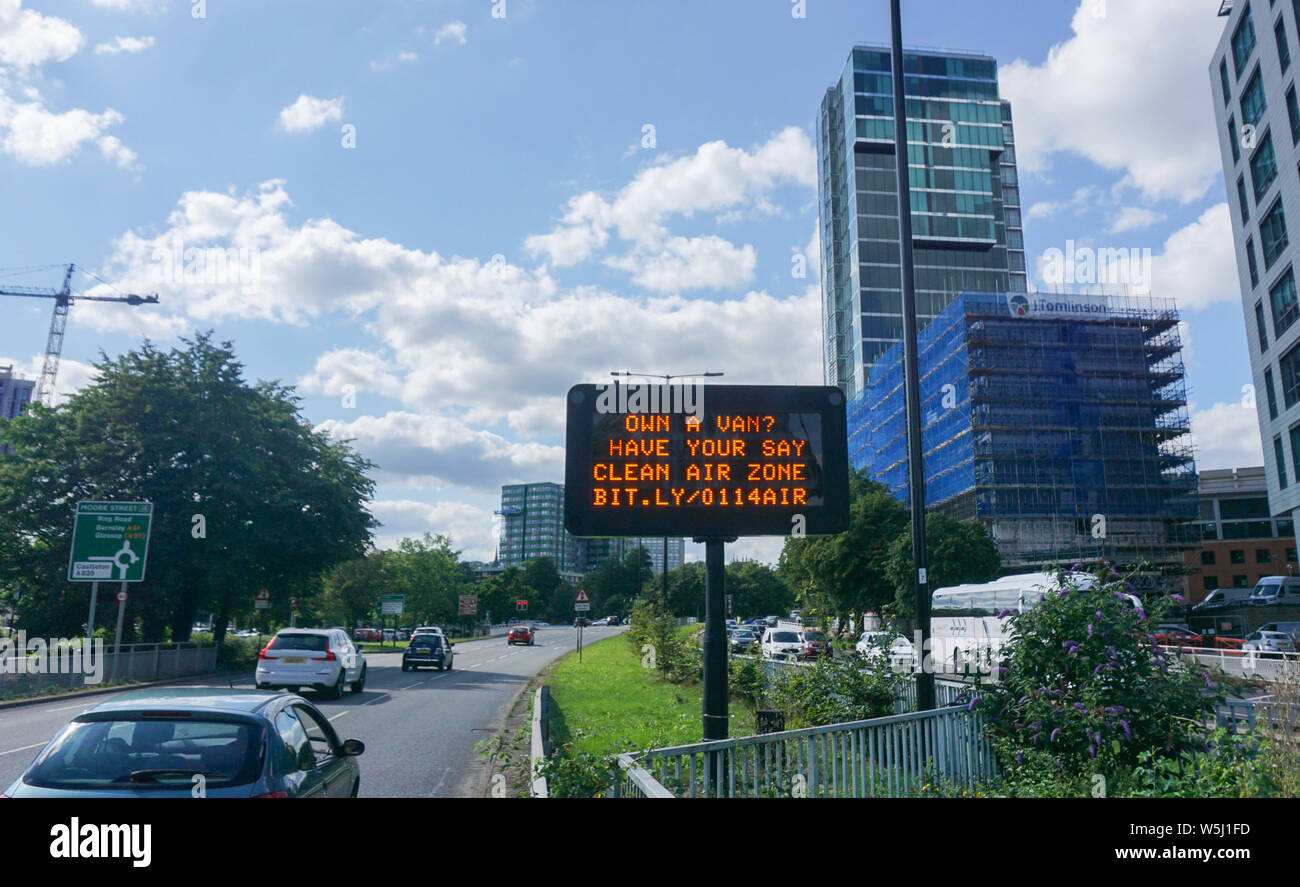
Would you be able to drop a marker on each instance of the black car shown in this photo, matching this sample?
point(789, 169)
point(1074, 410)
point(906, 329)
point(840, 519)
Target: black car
point(614, 620)
point(428, 650)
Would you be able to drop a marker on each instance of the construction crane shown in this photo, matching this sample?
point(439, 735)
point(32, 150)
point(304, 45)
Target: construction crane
point(63, 299)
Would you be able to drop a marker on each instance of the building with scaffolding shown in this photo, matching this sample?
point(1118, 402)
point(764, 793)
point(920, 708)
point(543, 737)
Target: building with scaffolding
point(1058, 421)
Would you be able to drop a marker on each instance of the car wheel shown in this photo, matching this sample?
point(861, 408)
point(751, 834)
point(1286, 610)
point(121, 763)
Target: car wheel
point(336, 692)
point(360, 683)
point(448, 665)
point(356, 787)
point(405, 667)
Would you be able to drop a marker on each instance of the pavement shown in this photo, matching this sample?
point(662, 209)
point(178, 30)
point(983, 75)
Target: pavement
point(420, 728)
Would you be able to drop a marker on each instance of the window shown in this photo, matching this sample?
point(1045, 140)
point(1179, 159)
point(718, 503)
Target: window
point(1207, 558)
point(1241, 200)
point(1260, 327)
point(1272, 233)
point(1211, 583)
point(1282, 297)
point(1270, 393)
point(1240, 582)
point(1251, 264)
point(1253, 103)
point(1223, 81)
point(1291, 556)
point(1295, 452)
point(1293, 115)
point(1237, 556)
point(1263, 556)
point(1234, 138)
point(1263, 166)
point(1243, 42)
point(1281, 462)
point(1283, 52)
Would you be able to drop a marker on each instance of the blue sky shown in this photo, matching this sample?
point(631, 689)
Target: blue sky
point(505, 225)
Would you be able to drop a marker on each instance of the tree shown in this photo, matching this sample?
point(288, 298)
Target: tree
point(957, 552)
point(246, 493)
point(757, 589)
point(350, 591)
point(427, 572)
point(843, 574)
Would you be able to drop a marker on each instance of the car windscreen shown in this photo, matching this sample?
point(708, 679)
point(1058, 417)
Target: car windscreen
point(784, 637)
point(424, 642)
point(131, 753)
point(293, 641)
point(814, 636)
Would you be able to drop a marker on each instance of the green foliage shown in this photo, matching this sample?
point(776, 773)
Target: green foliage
point(746, 680)
point(957, 552)
point(181, 428)
point(1230, 766)
point(656, 638)
point(843, 574)
point(1087, 690)
point(834, 691)
point(757, 589)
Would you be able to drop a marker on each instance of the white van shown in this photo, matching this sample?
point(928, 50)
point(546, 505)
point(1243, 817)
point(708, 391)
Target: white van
point(1276, 591)
point(1224, 597)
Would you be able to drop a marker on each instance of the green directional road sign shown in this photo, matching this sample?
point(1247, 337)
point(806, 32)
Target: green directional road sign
point(110, 542)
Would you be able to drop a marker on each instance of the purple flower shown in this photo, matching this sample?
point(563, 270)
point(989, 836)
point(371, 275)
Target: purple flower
point(1079, 705)
point(1005, 613)
point(1020, 759)
point(1076, 568)
point(1055, 733)
point(1177, 598)
point(1022, 700)
point(1127, 731)
point(1097, 670)
point(1089, 629)
point(971, 707)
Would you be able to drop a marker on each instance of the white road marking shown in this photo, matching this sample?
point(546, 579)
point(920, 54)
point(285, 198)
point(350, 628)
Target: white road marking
point(24, 748)
point(339, 715)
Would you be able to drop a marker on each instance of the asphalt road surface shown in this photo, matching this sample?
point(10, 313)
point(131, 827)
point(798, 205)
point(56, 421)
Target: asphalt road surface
point(420, 728)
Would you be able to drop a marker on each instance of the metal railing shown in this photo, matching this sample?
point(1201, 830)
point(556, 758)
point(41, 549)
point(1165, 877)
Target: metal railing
point(893, 756)
point(131, 662)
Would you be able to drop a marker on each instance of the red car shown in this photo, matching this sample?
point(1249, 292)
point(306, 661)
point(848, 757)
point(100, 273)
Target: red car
point(520, 634)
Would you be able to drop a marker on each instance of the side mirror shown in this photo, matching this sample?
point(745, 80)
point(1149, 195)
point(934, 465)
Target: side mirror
point(353, 747)
point(450, 644)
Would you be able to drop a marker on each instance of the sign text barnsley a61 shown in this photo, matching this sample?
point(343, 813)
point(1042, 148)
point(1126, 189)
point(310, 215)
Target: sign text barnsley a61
point(110, 541)
point(751, 460)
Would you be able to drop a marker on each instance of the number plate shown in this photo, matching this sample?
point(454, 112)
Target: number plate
point(294, 660)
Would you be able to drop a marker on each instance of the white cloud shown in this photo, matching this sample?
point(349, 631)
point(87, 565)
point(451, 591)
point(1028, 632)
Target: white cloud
point(470, 528)
point(365, 371)
point(39, 137)
point(452, 31)
point(309, 113)
point(1086, 99)
point(115, 152)
point(124, 44)
point(132, 5)
point(1227, 436)
point(690, 263)
point(402, 58)
point(1043, 209)
point(716, 178)
point(1134, 218)
point(1198, 265)
point(28, 38)
point(427, 451)
point(72, 377)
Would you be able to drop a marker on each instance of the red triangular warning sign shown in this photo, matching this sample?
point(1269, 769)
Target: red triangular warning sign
point(581, 597)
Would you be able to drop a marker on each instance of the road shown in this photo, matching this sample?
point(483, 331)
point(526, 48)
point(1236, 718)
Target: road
point(420, 728)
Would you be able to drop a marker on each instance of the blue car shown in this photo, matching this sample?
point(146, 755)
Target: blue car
point(196, 742)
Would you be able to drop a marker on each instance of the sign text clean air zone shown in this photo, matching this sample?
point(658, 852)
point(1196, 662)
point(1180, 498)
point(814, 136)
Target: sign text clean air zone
point(745, 463)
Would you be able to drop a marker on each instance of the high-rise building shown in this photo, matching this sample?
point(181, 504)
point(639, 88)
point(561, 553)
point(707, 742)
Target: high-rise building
point(966, 225)
point(15, 395)
point(532, 526)
point(1253, 90)
point(1058, 421)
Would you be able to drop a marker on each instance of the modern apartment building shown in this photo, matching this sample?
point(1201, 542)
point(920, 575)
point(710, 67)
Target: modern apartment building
point(966, 222)
point(1240, 540)
point(15, 394)
point(1253, 87)
point(1058, 421)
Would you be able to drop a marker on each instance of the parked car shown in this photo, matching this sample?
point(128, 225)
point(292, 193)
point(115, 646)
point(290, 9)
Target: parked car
point(520, 634)
point(1277, 591)
point(1268, 643)
point(404, 634)
point(614, 620)
point(321, 658)
point(432, 650)
point(541, 625)
point(901, 653)
point(743, 640)
point(582, 620)
point(152, 743)
point(367, 635)
point(781, 643)
point(604, 621)
point(814, 644)
point(1178, 636)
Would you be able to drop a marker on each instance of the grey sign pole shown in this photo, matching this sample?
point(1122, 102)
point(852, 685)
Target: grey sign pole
point(90, 622)
point(121, 610)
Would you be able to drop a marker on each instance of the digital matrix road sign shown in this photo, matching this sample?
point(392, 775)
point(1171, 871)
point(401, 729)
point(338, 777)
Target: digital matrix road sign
point(705, 460)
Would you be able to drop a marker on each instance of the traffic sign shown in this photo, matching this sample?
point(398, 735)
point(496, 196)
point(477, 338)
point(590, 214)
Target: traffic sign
point(110, 541)
point(293, 604)
point(713, 461)
point(392, 604)
point(581, 597)
point(521, 606)
point(469, 605)
point(263, 600)
point(581, 608)
point(121, 597)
